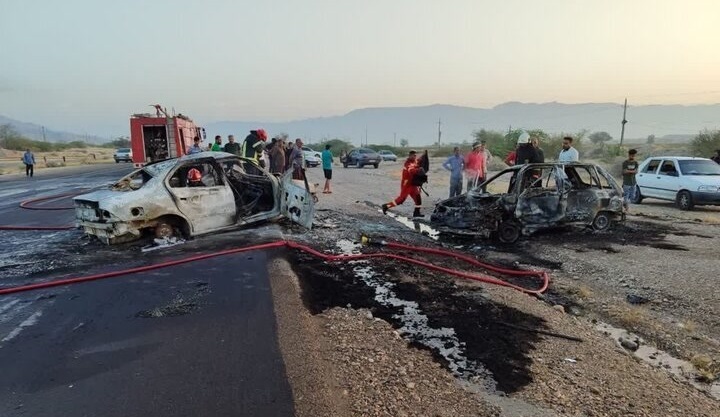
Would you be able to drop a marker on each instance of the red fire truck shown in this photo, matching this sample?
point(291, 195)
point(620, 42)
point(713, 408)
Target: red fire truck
point(161, 136)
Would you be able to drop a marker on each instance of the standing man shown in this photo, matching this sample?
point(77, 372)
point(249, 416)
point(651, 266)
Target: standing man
point(217, 146)
point(297, 160)
point(407, 187)
point(716, 157)
point(535, 141)
point(195, 148)
point(455, 164)
point(568, 153)
point(327, 160)
point(629, 169)
point(29, 161)
point(526, 153)
point(252, 146)
point(277, 157)
point(475, 166)
point(231, 146)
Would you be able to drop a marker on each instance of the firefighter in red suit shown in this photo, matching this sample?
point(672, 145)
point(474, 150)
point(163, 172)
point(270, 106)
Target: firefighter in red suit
point(407, 189)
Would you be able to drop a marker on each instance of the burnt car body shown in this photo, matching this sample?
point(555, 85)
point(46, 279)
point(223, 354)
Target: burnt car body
point(160, 198)
point(531, 197)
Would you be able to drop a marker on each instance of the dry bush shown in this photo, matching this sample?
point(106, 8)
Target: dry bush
point(55, 164)
point(629, 317)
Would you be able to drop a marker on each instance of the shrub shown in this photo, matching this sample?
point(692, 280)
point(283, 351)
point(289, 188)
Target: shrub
point(706, 143)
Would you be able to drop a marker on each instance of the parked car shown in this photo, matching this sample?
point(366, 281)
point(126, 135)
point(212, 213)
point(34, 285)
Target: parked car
point(687, 181)
point(123, 154)
point(528, 198)
point(312, 158)
point(163, 199)
point(387, 156)
point(361, 157)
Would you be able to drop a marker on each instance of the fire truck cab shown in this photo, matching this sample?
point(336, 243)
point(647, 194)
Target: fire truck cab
point(161, 136)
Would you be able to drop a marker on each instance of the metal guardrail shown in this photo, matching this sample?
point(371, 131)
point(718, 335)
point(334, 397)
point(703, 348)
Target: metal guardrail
point(51, 159)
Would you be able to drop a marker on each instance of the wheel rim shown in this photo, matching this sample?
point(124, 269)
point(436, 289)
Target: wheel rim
point(684, 200)
point(602, 221)
point(509, 233)
point(163, 230)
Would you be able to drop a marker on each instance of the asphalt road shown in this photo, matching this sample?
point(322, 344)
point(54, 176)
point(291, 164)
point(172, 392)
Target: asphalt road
point(192, 340)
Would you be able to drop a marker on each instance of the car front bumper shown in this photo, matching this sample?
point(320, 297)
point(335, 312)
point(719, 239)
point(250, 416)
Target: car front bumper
point(704, 198)
point(110, 233)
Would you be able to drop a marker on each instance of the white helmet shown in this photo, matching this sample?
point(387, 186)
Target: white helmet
point(523, 138)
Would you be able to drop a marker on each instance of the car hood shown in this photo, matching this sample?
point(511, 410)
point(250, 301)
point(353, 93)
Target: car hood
point(704, 179)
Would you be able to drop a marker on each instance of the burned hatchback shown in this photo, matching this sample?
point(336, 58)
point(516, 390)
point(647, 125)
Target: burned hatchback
point(524, 199)
point(192, 195)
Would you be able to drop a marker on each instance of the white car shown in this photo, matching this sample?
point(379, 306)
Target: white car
point(162, 199)
point(312, 158)
point(686, 180)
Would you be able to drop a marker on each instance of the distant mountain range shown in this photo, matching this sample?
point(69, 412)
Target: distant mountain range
point(420, 124)
point(35, 132)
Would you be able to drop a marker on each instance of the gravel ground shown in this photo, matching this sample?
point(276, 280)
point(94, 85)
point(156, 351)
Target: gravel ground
point(661, 254)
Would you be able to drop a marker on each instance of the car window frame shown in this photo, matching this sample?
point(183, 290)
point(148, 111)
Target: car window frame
point(674, 164)
point(650, 162)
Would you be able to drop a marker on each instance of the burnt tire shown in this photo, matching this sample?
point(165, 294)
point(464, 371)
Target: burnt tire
point(165, 229)
point(602, 221)
point(508, 232)
point(684, 200)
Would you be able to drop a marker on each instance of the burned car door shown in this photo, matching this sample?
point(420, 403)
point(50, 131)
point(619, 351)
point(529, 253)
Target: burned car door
point(542, 196)
point(584, 195)
point(207, 202)
point(253, 188)
point(296, 201)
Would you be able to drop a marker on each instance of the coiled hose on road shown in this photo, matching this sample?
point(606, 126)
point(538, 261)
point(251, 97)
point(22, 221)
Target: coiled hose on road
point(543, 276)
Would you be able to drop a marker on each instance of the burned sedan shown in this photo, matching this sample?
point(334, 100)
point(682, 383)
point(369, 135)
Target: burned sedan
point(189, 196)
point(524, 199)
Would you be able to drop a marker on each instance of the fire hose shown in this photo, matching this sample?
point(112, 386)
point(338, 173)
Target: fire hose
point(29, 205)
point(325, 257)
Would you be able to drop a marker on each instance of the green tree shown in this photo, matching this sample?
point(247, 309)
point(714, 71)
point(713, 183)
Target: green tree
point(651, 139)
point(706, 143)
point(599, 138)
point(404, 143)
point(496, 142)
point(336, 146)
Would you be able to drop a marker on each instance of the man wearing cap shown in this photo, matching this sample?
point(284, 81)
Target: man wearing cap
point(526, 153)
point(253, 144)
point(475, 166)
point(407, 186)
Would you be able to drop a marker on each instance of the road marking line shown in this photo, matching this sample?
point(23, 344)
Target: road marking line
point(7, 306)
point(26, 323)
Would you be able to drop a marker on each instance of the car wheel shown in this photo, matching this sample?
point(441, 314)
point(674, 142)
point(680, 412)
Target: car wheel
point(638, 197)
point(359, 164)
point(684, 200)
point(508, 232)
point(602, 221)
point(376, 165)
point(345, 165)
point(164, 230)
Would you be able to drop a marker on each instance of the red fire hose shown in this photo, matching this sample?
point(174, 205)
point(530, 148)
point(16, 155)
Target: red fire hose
point(28, 205)
point(318, 254)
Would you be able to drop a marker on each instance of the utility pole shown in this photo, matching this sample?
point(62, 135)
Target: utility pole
point(439, 131)
point(624, 120)
point(366, 141)
point(43, 133)
point(394, 139)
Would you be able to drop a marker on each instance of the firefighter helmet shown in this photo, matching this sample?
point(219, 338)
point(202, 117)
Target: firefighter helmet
point(194, 175)
point(262, 134)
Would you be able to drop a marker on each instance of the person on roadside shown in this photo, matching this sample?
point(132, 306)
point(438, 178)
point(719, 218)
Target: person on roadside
point(253, 144)
point(232, 146)
point(455, 164)
point(535, 142)
point(526, 153)
point(327, 161)
point(297, 160)
point(629, 169)
point(510, 158)
point(29, 161)
point(195, 148)
point(217, 146)
point(408, 187)
point(209, 147)
point(475, 166)
point(568, 153)
point(277, 157)
point(716, 158)
point(488, 155)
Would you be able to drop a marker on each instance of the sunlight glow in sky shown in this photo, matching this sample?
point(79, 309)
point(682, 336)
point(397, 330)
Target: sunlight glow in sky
point(85, 65)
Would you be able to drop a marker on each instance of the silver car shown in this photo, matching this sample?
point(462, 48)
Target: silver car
point(189, 196)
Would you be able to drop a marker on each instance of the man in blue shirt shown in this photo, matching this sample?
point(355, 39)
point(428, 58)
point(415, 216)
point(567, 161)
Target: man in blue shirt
point(195, 148)
point(455, 164)
point(327, 160)
point(29, 161)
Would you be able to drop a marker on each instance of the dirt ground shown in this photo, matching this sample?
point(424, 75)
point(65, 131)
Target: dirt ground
point(11, 161)
point(654, 276)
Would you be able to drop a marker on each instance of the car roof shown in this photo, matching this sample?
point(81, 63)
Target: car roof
point(679, 158)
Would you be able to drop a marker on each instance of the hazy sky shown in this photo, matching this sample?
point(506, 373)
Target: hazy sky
point(85, 65)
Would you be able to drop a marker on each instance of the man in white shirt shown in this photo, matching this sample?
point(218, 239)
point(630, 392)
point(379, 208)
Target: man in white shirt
point(568, 153)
